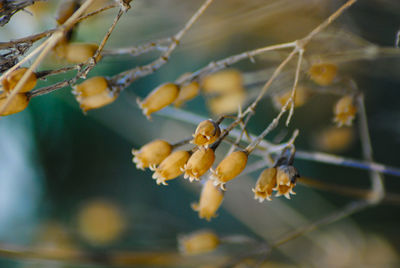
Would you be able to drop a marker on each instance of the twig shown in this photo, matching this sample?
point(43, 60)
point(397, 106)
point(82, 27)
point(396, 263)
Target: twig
point(50, 43)
point(35, 37)
point(377, 185)
point(124, 79)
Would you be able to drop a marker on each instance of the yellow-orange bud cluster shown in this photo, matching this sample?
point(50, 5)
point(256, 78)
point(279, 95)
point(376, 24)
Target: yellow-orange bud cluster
point(159, 98)
point(17, 104)
point(11, 81)
point(226, 89)
point(323, 74)
point(151, 154)
point(198, 242)
point(281, 179)
point(345, 111)
point(199, 163)
point(94, 93)
point(171, 167)
point(210, 200)
point(207, 132)
point(230, 167)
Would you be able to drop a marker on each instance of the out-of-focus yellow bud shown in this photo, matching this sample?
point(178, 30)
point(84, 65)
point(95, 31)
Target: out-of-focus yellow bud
point(323, 74)
point(151, 154)
point(230, 167)
point(223, 82)
point(199, 163)
point(285, 180)
point(198, 242)
point(11, 81)
point(265, 184)
point(65, 10)
point(210, 200)
point(207, 132)
point(100, 222)
point(171, 167)
point(79, 52)
point(159, 98)
point(335, 139)
point(227, 103)
point(17, 104)
point(345, 111)
point(302, 95)
point(93, 93)
point(187, 93)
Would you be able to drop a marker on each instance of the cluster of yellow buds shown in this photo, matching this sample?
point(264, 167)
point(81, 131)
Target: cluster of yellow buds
point(280, 178)
point(198, 242)
point(345, 111)
point(224, 87)
point(94, 93)
point(226, 91)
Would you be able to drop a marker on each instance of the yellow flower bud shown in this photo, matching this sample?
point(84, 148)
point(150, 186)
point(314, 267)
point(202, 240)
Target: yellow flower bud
point(199, 163)
point(17, 104)
point(187, 93)
point(171, 167)
point(93, 93)
point(345, 111)
point(229, 168)
point(222, 82)
point(151, 154)
point(11, 81)
point(210, 200)
point(80, 52)
point(159, 98)
point(335, 139)
point(100, 222)
point(198, 242)
point(265, 184)
point(302, 95)
point(207, 132)
point(285, 180)
point(227, 103)
point(323, 74)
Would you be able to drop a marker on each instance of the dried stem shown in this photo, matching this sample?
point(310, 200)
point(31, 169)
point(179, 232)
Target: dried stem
point(378, 189)
point(124, 79)
point(50, 43)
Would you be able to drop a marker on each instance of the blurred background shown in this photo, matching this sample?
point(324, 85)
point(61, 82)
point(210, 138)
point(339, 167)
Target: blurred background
point(68, 186)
